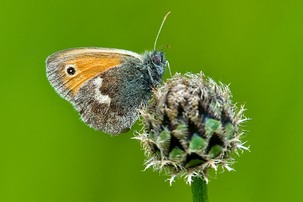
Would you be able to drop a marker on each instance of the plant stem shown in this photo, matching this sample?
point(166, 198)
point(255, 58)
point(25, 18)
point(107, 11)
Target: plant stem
point(199, 190)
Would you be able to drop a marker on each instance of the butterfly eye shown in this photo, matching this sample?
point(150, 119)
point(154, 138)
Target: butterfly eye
point(70, 70)
point(156, 59)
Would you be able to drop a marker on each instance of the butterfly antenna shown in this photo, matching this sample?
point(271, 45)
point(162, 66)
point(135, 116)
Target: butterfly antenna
point(155, 44)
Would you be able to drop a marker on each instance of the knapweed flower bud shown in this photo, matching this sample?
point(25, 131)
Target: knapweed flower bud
point(191, 125)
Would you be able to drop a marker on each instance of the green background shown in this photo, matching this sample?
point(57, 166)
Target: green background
point(47, 154)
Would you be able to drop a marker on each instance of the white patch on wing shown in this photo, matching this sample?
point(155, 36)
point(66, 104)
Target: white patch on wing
point(102, 99)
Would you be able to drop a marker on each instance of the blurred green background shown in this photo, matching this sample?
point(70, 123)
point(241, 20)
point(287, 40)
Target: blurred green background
point(47, 154)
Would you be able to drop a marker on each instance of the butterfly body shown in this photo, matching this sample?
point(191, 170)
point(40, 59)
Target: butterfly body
point(106, 86)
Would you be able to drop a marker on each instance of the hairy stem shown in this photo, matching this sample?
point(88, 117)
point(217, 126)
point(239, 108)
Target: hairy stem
point(199, 190)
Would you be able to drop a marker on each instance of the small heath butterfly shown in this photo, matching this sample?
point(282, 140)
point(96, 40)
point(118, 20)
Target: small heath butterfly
point(106, 86)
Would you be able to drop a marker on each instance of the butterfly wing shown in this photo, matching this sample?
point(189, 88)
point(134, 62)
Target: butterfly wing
point(106, 86)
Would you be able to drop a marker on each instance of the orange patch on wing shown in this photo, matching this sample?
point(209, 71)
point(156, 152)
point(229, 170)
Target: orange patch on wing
point(88, 67)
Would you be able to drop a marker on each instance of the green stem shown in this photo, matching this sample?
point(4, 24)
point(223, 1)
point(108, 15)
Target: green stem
point(199, 190)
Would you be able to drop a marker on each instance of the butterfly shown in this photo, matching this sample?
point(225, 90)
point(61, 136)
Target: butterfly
point(106, 86)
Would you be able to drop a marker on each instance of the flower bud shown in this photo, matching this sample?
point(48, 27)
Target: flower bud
point(191, 125)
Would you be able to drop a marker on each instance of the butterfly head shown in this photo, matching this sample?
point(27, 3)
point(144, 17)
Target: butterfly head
point(155, 63)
